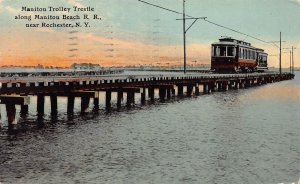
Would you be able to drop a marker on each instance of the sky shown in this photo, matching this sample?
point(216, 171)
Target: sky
point(133, 33)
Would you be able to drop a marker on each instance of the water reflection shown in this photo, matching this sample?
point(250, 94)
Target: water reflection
point(244, 136)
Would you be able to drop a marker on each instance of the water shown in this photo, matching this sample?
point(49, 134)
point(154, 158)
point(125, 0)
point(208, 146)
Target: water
point(245, 136)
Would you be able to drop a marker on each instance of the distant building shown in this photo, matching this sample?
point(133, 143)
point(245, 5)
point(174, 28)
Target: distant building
point(39, 66)
point(85, 66)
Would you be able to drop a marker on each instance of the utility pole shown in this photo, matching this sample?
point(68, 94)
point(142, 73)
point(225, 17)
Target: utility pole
point(184, 33)
point(184, 40)
point(290, 61)
point(280, 53)
point(293, 59)
point(280, 56)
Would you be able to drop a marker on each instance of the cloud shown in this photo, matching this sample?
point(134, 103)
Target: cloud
point(76, 3)
point(11, 10)
point(295, 2)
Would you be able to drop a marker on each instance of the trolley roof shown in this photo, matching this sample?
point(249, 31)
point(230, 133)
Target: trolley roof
point(231, 41)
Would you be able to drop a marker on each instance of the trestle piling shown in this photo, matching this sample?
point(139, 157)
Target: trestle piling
point(17, 91)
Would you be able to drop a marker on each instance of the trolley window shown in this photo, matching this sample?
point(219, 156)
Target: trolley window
point(222, 51)
point(248, 54)
point(264, 59)
point(215, 51)
point(230, 51)
point(253, 55)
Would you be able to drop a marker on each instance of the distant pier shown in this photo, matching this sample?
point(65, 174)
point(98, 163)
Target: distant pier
point(17, 90)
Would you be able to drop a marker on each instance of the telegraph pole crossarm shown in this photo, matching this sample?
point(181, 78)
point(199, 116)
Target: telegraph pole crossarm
point(195, 19)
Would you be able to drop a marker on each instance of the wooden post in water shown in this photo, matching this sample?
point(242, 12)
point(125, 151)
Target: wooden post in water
point(143, 96)
point(242, 84)
point(189, 90)
point(259, 81)
point(214, 86)
point(96, 103)
point(248, 83)
point(162, 93)
point(209, 90)
point(151, 93)
point(173, 92)
point(24, 109)
point(237, 84)
point(40, 105)
point(169, 94)
point(220, 86)
point(205, 88)
point(70, 105)
point(180, 90)
point(108, 99)
point(130, 98)
point(53, 100)
point(230, 84)
point(128, 101)
point(264, 80)
point(225, 86)
point(197, 91)
point(133, 97)
point(119, 98)
point(85, 102)
point(10, 102)
point(11, 116)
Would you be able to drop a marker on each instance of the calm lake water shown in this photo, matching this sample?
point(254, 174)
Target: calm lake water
point(240, 136)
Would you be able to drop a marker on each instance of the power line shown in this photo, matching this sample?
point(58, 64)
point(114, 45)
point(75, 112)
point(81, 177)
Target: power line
point(162, 7)
point(225, 27)
point(209, 21)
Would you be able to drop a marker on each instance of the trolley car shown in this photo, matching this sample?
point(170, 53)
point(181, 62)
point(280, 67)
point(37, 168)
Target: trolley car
point(238, 56)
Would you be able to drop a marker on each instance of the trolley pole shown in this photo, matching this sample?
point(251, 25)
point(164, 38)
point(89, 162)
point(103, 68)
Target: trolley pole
point(280, 56)
point(184, 40)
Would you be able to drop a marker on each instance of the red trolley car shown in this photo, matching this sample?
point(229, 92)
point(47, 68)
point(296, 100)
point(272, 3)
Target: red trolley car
point(234, 55)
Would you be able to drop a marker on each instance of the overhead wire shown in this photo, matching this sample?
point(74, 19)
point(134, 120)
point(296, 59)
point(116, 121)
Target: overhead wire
point(210, 22)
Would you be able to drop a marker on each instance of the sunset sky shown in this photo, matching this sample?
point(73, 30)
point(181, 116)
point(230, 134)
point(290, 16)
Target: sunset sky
point(134, 33)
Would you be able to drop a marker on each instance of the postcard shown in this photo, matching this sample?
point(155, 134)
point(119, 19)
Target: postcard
point(149, 91)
